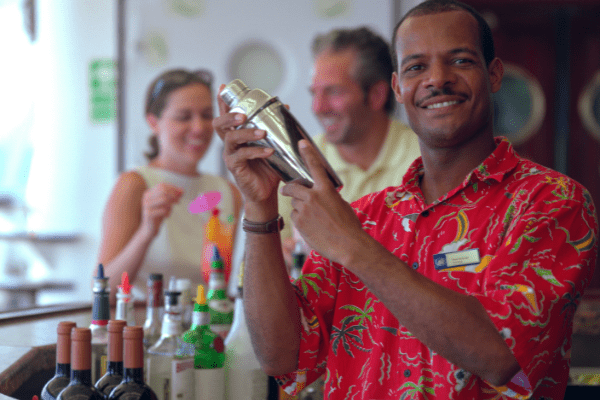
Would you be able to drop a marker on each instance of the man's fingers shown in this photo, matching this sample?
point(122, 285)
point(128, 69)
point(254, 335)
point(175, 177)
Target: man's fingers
point(313, 162)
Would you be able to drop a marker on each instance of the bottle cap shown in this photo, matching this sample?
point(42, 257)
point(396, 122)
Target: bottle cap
point(115, 339)
point(81, 349)
point(200, 296)
point(63, 342)
point(125, 286)
point(133, 337)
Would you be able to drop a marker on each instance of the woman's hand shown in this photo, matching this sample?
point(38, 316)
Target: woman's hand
point(157, 203)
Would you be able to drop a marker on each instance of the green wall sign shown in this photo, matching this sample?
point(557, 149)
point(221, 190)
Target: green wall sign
point(103, 90)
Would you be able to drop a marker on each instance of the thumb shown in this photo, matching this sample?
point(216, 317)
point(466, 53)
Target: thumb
point(312, 159)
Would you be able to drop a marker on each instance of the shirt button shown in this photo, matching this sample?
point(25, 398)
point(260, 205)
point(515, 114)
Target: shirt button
point(406, 373)
point(425, 213)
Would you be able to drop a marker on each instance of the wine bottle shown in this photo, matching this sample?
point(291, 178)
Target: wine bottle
point(244, 378)
point(98, 327)
point(80, 386)
point(62, 376)
point(154, 310)
point(124, 309)
point(207, 349)
point(219, 304)
point(132, 387)
point(114, 368)
point(170, 377)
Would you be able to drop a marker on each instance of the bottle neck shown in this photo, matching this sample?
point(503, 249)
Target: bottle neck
point(81, 376)
point(114, 368)
point(133, 375)
point(200, 319)
point(171, 326)
point(63, 369)
point(101, 308)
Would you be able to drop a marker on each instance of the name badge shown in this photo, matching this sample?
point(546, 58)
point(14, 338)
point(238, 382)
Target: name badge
point(455, 259)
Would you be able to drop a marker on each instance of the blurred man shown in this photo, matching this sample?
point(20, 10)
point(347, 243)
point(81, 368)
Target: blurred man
point(354, 102)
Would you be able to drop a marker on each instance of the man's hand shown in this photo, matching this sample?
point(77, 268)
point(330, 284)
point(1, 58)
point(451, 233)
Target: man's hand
point(326, 222)
point(255, 179)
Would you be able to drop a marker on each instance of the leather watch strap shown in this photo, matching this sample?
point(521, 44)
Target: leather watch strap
point(272, 226)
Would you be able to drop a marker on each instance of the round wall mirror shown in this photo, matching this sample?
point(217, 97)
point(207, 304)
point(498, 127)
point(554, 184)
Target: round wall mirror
point(589, 107)
point(519, 105)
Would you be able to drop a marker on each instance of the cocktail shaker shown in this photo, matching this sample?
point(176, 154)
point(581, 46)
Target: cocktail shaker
point(283, 131)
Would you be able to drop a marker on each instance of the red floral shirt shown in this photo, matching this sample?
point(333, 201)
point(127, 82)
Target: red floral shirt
point(519, 237)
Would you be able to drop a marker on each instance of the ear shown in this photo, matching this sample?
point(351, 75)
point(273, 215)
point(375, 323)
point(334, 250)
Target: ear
point(378, 95)
point(496, 71)
point(152, 121)
point(396, 88)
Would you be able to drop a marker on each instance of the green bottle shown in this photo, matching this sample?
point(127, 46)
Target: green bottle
point(219, 304)
point(208, 350)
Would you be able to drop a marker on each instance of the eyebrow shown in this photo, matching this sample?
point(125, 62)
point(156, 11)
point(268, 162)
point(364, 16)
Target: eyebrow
point(453, 51)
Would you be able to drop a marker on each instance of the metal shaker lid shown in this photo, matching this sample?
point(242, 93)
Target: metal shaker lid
point(233, 92)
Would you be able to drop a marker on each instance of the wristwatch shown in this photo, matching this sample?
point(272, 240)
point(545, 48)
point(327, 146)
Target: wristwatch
point(272, 226)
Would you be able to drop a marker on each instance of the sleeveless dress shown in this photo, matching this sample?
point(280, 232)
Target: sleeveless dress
point(177, 249)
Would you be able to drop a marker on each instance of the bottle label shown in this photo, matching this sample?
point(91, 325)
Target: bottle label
point(158, 370)
point(210, 384)
point(182, 382)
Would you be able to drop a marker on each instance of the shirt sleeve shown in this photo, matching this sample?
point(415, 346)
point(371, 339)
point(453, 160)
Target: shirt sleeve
point(316, 292)
point(535, 281)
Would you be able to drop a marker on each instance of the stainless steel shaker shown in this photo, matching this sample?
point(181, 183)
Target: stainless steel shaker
point(283, 131)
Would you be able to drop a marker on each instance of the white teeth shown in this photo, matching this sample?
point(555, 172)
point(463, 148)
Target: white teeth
point(440, 105)
point(327, 121)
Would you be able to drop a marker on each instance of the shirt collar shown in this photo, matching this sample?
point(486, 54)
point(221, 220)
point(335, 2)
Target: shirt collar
point(495, 167)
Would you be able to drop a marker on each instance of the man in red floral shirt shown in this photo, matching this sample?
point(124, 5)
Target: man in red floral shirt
point(459, 284)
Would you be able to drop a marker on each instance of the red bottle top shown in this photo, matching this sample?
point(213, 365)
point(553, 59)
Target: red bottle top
point(133, 337)
point(115, 339)
point(81, 349)
point(63, 342)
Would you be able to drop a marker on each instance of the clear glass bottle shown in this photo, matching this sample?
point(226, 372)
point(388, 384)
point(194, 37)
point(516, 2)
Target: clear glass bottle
point(114, 368)
point(298, 258)
point(244, 378)
point(98, 327)
point(219, 304)
point(187, 307)
point(124, 309)
point(133, 387)
point(170, 377)
point(62, 376)
point(154, 310)
point(208, 352)
point(80, 386)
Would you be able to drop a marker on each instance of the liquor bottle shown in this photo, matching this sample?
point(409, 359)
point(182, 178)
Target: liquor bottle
point(125, 310)
point(100, 317)
point(243, 376)
point(80, 386)
point(114, 368)
point(218, 234)
point(219, 304)
point(62, 376)
point(168, 376)
point(208, 353)
point(187, 308)
point(154, 310)
point(298, 257)
point(132, 387)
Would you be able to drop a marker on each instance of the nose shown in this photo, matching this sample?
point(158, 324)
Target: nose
point(201, 124)
point(319, 103)
point(440, 75)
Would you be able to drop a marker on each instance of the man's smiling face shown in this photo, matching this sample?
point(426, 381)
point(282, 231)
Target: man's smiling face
point(442, 78)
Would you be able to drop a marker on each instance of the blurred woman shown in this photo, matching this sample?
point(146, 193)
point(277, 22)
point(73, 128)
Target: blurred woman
point(147, 227)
